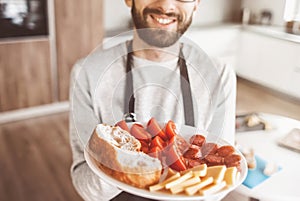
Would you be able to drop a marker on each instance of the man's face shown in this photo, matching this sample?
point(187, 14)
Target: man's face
point(161, 23)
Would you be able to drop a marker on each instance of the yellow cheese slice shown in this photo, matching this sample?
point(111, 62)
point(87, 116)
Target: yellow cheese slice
point(199, 170)
point(213, 188)
point(179, 180)
point(191, 190)
point(162, 185)
point(217, 172)
point(180, 187)
point(230, 176)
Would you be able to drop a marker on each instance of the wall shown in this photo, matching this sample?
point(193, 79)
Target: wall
point(78, 31)
point(275, 6)
point(217, 11)
point(113, 21)
point(35, 71)
point(209, 12)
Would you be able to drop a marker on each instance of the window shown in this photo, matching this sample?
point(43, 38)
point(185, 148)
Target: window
point(292, 10)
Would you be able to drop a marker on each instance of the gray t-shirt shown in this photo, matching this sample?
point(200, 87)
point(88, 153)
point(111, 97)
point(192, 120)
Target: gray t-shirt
point(97, 96)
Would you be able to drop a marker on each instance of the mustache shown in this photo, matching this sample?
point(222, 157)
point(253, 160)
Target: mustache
point(159, 12)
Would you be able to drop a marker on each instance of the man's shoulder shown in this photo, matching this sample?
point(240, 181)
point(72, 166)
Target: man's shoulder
point(195, 56)
point(100, 56)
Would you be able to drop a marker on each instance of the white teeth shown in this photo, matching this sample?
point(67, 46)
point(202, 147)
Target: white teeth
point(163, 20)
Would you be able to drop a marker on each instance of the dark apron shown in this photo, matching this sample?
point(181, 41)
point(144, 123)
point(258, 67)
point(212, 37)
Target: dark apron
point(129, 106)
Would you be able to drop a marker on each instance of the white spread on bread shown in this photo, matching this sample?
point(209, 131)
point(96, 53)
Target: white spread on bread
point(118, 137)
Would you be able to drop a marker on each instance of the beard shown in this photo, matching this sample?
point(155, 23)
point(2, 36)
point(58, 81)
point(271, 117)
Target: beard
point(154, 36)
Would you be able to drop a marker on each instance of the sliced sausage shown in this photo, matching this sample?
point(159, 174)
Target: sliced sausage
point(209, 148)
point(214, 160)
point(225, 150)
point(232, 160)
point(190, 163)
point(197, 139)
point(194, 152)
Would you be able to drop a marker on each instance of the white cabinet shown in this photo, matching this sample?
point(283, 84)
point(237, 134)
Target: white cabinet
point(269, 61)
point(220, 42)
point(294, 76)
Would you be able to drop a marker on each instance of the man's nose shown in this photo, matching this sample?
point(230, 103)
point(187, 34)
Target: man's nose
point(166, 6)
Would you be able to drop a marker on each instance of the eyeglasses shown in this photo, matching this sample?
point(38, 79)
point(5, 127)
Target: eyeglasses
point(186, 1)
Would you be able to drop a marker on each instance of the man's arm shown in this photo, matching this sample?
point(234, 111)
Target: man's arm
point(82, 123)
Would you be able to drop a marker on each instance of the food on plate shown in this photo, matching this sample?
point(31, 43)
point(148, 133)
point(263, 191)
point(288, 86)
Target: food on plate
point(216, 172)
point(181, 187)
point(162, 185)
point(212, 180)
point(232, 160)
point(191, 190)
point(197, 140)
point(159, 142)
point(179, 180)
point(138, 131)
point(155, 130)
point(213, 188)
point(199, 171)
point(166, 144)
point(157, 157)
point(122, 124)
point(225, 150)
point(210, 154)
point(231, 175)
point(118, 154)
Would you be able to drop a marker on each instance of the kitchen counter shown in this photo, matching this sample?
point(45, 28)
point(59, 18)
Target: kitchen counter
point(279, 32)
point(272, 31)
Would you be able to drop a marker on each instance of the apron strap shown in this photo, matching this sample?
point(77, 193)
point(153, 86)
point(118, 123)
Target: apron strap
point(186, 91)
point(185, 85)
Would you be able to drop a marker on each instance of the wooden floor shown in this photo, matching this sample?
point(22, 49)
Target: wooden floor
point(254, 98)
point(35, 155)
point(34, 160)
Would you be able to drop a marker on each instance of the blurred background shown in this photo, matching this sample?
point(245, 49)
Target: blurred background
point(40, 40)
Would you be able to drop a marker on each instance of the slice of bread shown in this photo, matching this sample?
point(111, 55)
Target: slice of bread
point(117, 153)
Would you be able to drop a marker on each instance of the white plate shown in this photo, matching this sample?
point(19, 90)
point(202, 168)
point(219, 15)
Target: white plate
point(186, 132)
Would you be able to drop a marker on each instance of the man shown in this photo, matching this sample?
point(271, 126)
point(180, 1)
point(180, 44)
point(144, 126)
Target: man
point(153, 75)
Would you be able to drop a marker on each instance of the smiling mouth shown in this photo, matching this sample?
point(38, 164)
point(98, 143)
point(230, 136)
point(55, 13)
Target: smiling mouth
point(162, 20)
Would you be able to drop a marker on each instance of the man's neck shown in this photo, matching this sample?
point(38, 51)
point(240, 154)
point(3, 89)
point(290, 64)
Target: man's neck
point(145, 51)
